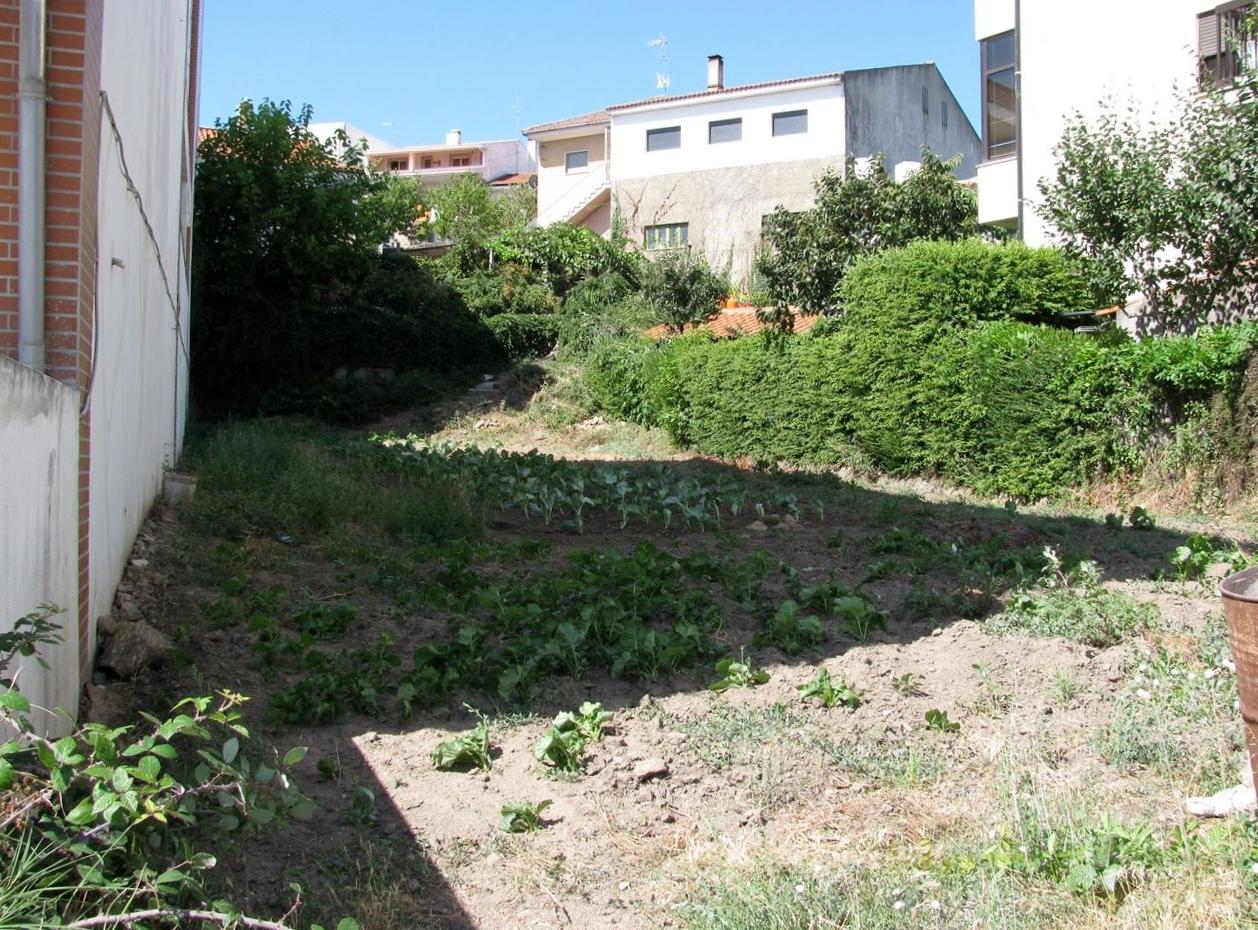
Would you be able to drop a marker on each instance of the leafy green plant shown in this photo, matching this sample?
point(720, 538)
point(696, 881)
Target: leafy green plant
point(563, 746)
point(938, 720)
point(522, 816)
point(362, 805)
point(467, 750)
point(908, 685)
point(681, 289)
point(1193, 559)
point(859, 617)
point(830, 692)
point(1141, 519)
point(791, 630)
point(737, 673)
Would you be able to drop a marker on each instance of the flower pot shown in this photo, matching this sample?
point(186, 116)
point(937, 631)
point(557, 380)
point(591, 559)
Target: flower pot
point(1240, 606)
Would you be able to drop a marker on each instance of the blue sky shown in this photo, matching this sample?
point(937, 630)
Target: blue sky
point(490, 68)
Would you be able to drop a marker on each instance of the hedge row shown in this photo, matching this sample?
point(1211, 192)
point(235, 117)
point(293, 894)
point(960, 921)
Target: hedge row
point(944, 378)
point(523, 335)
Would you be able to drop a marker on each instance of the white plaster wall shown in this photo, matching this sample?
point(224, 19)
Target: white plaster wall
point(1074, 53)
point(139, 394)
point(998, 191)
point(39, 443)
point(506, 158)
point(758, 146)
point(556, 187)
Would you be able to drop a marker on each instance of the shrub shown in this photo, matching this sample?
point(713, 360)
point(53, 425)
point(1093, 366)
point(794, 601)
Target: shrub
point(524, 335)
point(605, 307)
point(507, 288)
point(808, 253)
point(563, 255)
point(681, 289)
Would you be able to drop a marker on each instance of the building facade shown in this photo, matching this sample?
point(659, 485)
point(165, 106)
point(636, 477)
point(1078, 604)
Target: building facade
point(97, 145)
point(434, 165)
point(704, 169)
point(1043, 61)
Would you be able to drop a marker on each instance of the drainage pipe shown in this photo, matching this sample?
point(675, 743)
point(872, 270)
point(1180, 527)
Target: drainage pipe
point(31, 171)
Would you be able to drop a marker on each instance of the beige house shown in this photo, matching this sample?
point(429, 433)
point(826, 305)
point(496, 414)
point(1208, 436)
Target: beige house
point(705, 168)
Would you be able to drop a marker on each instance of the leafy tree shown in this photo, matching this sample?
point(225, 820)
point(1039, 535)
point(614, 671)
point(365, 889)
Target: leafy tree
point(287, 228)
point(856, 214)
point(1169, 211)
point(680, 288)
point(468, 212)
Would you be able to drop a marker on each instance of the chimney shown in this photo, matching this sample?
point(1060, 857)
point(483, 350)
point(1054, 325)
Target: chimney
point(716, 72)
point(454, 137)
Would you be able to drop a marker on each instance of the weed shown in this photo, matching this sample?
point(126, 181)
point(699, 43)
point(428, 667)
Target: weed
point(831, 693)
point(563, 746)
point(1141, 519)
point(792, 631)
point(468, 750)
point(737, 673)
point(362, 806)
point(994, 700)
point(1065, 687)
point(859, 617)
point(938, 720)
point(522, 816)
point(1073, 604)
point(908, 685)
point(1192, 560)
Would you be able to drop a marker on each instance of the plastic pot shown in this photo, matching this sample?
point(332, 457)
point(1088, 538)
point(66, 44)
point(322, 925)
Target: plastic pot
point(1240, 606)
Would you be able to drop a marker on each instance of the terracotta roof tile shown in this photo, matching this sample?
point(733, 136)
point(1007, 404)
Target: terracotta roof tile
point(508, 180)
point(735, 322)
point(763, 85)
point(572, 122)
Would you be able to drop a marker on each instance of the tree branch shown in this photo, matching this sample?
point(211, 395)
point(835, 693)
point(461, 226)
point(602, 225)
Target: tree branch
point(218, 917)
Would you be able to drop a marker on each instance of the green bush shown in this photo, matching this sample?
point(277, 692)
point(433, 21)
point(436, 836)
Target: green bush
point(681, 289)
point(605, 307)
point(563, 255)
point(524, 335)
point(508, 288)
point(1004, 407)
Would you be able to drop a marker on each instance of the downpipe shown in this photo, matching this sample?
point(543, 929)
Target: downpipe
point(32, 164)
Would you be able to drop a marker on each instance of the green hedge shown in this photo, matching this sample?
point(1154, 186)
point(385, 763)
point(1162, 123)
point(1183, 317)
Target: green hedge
point(949, 379)
point(524, 335)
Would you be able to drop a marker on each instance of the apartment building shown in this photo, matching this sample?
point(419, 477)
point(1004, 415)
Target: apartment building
point(436, 164)
point(703, 169)
point(98, 136)
point(1041, 61)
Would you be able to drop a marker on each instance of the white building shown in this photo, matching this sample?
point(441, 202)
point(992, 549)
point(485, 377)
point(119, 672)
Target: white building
point(94, 287)
point(1044, 60)
point(433, 165)
point(705, 168)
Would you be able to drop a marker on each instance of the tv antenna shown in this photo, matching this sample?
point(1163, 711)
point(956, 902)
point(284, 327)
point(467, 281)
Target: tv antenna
point(387, 126)
point(662, 80)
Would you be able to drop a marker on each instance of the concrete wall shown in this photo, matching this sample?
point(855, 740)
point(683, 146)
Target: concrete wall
point(895, 111)
point(1074, 54)
point(758, 146)
point(724, 207)
point(39, 520)
point(139, 391)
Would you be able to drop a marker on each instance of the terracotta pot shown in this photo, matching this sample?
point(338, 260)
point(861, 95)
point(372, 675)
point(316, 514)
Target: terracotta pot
point(1240, 606)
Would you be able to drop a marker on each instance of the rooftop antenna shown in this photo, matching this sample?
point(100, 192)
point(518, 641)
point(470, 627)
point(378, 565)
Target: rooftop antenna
point(662, 80)
point(387, 126)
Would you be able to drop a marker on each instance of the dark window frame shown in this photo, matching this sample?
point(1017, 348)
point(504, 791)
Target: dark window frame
point(723, 124)
point(660, 237)
point(987, 71)
point(789, 114)
point(568, 168)
point(663, 132)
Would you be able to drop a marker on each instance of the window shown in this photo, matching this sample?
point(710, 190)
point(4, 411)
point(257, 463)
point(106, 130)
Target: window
point(790, 123)
point(659, 139)
point(925, 102)
point(398, 164)
point(427, 162)
point(576, 161)
point(666, 236)
point(1000, 96)
point(725, 130)
point(1224, 43)
point(460, 161)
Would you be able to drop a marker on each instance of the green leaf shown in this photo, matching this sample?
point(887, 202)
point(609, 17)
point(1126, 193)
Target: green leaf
point(6, 774)
point(14, 702)
point(294, 755)
point(231, 749)
point(347, 923)
point(149, 769)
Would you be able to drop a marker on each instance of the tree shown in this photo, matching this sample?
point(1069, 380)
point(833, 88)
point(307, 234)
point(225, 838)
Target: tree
point(1169, 211)
point(858, 213)
point(470, 214)
point(287, 229)
point(681, 289)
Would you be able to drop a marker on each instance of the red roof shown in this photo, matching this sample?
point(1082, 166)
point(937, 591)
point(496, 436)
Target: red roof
point(204, 132)
point(508, 180)
point(763, 85)
point(572, 122)
point(735, 322)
